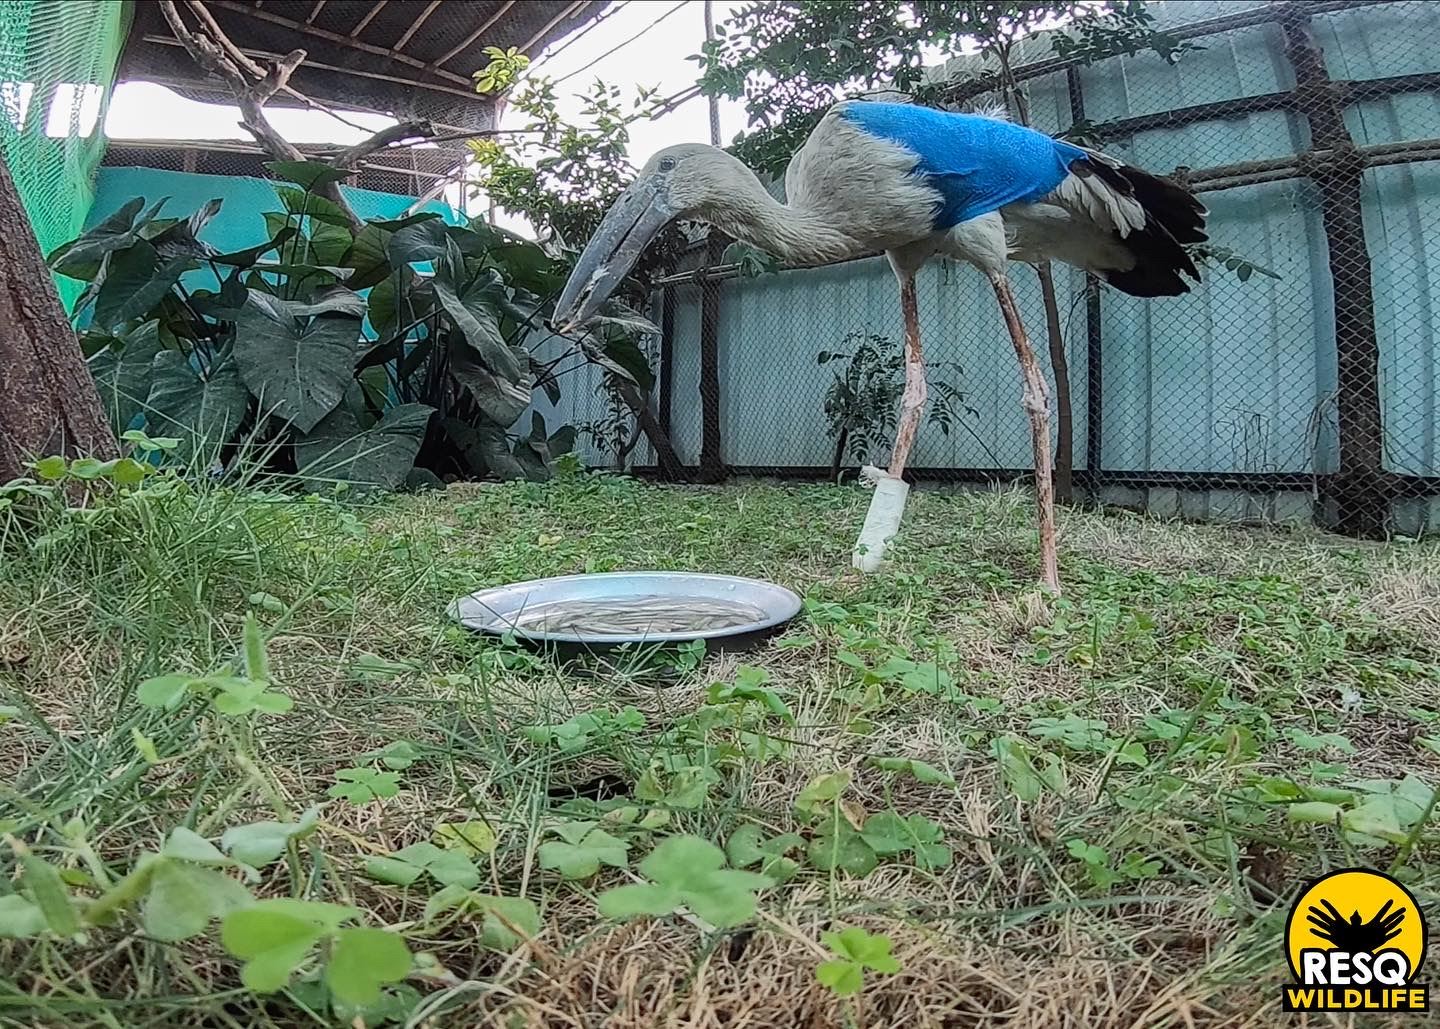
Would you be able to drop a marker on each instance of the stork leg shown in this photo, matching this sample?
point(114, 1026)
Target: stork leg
point(1036, 401)
point(912, 402)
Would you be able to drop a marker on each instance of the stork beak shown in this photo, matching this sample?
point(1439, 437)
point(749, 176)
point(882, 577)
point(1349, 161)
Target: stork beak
point(637, 217)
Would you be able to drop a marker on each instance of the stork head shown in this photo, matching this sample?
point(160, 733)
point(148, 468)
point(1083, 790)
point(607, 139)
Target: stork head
point(681, 181)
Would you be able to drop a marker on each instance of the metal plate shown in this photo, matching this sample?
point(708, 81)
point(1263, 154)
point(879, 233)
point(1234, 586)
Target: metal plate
point(502, 609)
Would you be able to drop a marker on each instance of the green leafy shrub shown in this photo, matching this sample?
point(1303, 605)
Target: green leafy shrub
point(341, 356)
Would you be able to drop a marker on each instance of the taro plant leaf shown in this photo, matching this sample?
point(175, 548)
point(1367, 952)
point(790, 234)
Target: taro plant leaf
point(380, 456)
point(260, 843)
point(184, 898)
point(394, 302)
point(246, 258)
point(493, 451)
point(476, 313)
point(396, 224)
point(203, 412)
point(688, 872)
point(135, 281)
point(80, 258)
point(364, 959)
point(300, 375)
point(122, 373)
point(581, 850)
point(500, 399)
point(329, 244)
point(330, 300)
point(561, 441)
point(367, 258)
point(321, 209)
point(623, 319)
point(423, 242)
point(182, 238)
point(309, 175)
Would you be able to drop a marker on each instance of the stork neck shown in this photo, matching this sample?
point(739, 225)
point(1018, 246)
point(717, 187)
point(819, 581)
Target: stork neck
point(794, 234)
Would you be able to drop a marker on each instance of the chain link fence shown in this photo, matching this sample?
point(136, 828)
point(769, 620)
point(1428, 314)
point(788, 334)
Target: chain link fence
point(1299, 382)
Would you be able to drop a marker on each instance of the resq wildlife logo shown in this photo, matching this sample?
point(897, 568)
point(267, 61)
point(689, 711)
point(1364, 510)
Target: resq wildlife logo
point(1355, 939)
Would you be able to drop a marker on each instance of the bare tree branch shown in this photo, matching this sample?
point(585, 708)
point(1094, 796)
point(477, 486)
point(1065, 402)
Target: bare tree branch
point(254, 82)
point(351, 156)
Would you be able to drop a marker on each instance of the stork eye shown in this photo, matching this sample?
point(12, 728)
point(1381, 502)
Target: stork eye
point(667, 163)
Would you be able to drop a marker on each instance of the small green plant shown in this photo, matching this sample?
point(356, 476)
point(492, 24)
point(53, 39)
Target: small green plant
point(361, 785)
point(405, 866)
point(582, 848)
point(580, 732)
point(855, 951)
point(863, 397)
point(688, 872)
point(231, 695)
point(276, 938)
point(748, 846)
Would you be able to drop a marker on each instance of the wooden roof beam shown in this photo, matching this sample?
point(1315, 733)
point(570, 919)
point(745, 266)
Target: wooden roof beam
point(484, 26)
point(314, 11)
point(335, 37)
point(400, 43)
point(369, 17)
point(468, 94)
point(525, 48)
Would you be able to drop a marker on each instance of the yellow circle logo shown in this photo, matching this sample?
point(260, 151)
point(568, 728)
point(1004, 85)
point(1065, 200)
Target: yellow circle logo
point(1355, 940)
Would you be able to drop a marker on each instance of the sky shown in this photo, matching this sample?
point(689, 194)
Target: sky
point(648, 54)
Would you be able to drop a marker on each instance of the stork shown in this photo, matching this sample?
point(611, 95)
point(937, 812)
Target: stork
point(916, 182)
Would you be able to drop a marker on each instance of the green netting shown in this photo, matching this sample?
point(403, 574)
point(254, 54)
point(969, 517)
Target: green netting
point(57, 65)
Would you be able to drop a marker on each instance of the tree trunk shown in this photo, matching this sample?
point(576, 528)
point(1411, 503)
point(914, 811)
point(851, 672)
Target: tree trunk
point(48, 401)
point(1064, 432)
point(1362, 491)
point(669, 463)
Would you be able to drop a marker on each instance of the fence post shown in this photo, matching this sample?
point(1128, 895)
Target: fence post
point(1362, 489)
point(667, 357)
point(712, 461)
point(1094, 394)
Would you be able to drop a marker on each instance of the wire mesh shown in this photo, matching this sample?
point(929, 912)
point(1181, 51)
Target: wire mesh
point(57, 63)
point(1297, 382)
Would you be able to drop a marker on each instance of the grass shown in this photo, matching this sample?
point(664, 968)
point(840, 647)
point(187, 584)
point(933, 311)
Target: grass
point(1092, 811)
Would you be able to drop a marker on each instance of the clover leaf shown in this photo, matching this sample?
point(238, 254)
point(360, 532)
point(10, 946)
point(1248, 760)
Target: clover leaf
point(889, 833)
point(855, 950)
point(361, 785)
point(581, 850)
point(688, 872)
point(447, 867)
point(260, 843)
